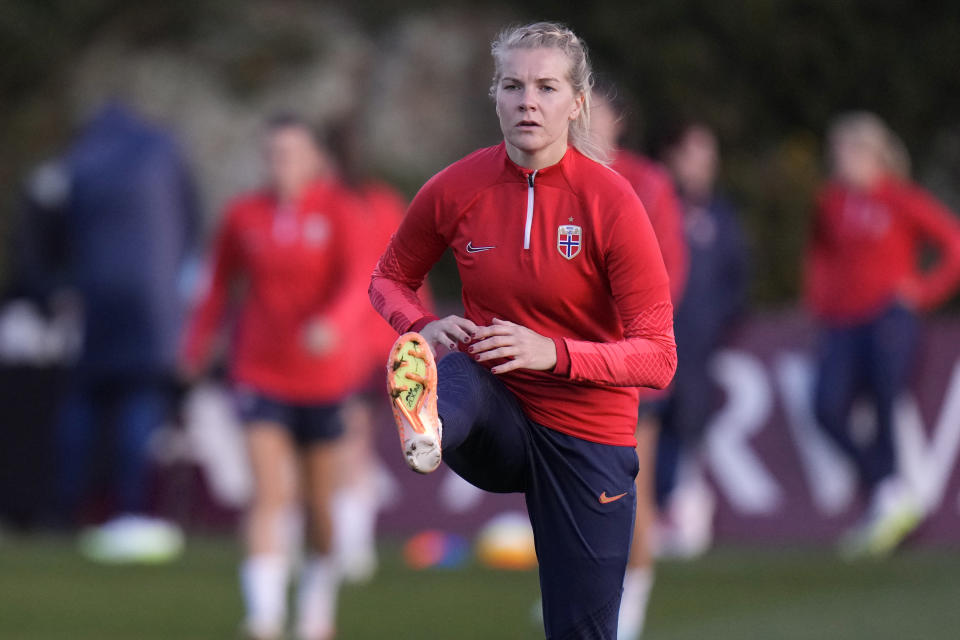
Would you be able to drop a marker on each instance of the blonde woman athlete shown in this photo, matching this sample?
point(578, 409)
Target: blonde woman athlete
point(567, 312)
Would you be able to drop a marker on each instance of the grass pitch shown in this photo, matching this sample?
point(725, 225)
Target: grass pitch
point(47, 592)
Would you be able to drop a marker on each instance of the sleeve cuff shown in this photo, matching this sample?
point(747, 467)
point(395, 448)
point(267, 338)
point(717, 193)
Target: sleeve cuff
point(421, 323)
point(562, 368)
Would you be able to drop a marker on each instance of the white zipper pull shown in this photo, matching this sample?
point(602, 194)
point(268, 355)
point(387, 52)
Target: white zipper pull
point(529, 225)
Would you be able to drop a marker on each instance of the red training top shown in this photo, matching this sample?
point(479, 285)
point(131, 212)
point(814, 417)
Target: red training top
point(655, 190)
point(864, 251)
point(566, 251)
point(297, 266)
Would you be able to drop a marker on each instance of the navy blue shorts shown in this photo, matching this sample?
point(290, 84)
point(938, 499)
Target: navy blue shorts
point(308, 424)
point(580, 495)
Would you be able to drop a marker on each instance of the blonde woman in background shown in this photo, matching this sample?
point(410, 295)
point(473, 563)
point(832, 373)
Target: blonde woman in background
point(866, 288)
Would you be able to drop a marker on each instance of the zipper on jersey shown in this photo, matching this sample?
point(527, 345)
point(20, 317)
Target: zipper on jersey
point(529, 225)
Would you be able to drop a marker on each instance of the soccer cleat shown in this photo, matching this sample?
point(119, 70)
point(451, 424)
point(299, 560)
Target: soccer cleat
point(893, 516)
point(412, 384)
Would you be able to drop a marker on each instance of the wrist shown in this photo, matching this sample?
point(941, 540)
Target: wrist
point(562, 365)
point(419, 325)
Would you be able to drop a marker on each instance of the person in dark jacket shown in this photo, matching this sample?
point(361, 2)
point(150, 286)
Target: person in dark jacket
point(715, 294)
point(127, 223)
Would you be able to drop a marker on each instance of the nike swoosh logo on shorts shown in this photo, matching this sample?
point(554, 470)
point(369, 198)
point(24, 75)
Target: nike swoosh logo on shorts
point(605, 499)
point(473, 249)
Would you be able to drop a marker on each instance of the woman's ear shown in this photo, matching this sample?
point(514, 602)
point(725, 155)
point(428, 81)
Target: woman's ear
point(577, 106)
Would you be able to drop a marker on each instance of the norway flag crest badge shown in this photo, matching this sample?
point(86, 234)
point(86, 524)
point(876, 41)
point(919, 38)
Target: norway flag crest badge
point(569, 240)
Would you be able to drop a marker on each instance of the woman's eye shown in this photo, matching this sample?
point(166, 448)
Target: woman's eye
point(548, 88)
point(509, 86)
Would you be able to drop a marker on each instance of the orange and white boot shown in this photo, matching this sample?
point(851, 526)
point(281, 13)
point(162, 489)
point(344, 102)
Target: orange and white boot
point(412, 384)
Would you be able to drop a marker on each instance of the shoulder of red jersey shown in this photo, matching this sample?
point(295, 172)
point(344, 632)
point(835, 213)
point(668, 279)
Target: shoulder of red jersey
point(591, 179)
point(382, 196)
point(471, 173)
point(641, 171)
point(248, 203)
point(895, 188)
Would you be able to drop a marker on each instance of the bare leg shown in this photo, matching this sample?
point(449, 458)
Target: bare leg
point(355, 503)
point(265, 571)
point(319, 581)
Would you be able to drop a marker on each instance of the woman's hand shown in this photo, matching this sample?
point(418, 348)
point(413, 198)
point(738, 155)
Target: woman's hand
point(447, 332)
point(522, 347)
point(320, 337)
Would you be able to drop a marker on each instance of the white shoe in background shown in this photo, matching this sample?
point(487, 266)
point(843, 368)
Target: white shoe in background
point(894, 513)
point(133, 539)
point(686, 529)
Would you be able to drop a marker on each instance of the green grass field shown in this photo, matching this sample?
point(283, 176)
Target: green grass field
point(48, 592)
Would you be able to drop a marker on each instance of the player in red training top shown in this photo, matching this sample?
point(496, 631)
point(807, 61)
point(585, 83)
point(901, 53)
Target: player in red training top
point(288, 245)
point(567, 312)
point(865, 285)
point(608, 122)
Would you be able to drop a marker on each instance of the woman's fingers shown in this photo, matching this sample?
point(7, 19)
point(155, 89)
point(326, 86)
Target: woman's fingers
point(501, 352)
point(466, 325)
point(492, 343)
point(493, 330)
point(509, 365)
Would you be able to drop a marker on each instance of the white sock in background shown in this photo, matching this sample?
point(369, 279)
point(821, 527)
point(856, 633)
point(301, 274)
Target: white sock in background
point(317, 598)
point(637, 584)
point(263, 579)
point(354, 522)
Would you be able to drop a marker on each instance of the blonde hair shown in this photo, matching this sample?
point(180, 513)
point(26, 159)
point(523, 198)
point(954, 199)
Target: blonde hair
point(868, 128)
point(545, 35)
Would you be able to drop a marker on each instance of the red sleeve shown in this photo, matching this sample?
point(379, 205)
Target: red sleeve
point(666, 216)
point(413, 250)
point(647, 355)
point(224, 267)
point(939, 226)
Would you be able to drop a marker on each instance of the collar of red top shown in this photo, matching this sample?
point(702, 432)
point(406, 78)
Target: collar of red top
point(569, 157)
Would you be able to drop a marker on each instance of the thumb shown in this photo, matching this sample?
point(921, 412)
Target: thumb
point(502, 322)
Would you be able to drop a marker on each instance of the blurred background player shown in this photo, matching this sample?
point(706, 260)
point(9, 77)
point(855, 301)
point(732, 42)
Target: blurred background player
point(866, 287)
point(284, 251)
point(608, 124)
point(118, 246)
point(715, 294)
point(362, 481)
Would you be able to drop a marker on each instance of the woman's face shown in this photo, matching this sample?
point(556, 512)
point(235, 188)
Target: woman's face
point(856, 159)
point(606, 126)
point(292, 158)
point(536, 103)
point(693, 162)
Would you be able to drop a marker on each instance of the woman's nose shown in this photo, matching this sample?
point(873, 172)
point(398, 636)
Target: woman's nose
point(528, 103)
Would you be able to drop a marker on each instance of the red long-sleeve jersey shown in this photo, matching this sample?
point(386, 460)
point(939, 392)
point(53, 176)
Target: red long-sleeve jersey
point(655, 190)
point(865, 250)
point(296, 265)
point(566, 251)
